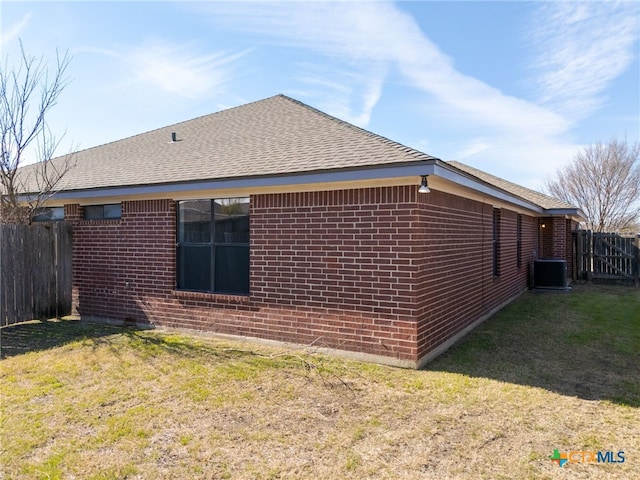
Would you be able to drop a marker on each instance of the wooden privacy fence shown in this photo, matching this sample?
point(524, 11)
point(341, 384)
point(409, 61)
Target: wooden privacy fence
point(608, 257)
point(35, 272)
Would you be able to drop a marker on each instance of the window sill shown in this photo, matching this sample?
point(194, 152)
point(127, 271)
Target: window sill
point(212, 297)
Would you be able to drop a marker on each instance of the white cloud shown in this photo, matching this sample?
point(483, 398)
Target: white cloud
point(362, 34)
point(161, 67)
point(528, 164)
point(156, 83)
point(521, 140)
point(475, 147)
point(580, 48)
point(178, 69)
point(350, 94)
point(13, 31)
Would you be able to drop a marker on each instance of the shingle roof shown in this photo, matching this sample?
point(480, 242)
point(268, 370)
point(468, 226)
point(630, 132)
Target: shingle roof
point(544, 201)
point(274, 136)
point(277, 135)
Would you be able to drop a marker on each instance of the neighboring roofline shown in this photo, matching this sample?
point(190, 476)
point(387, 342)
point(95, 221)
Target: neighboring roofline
point(433, 166)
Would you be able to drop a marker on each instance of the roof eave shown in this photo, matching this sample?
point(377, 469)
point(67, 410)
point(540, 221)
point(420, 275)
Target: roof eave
point(464, 179)
point(432, 166)
point(575, 213)
point(414, 168)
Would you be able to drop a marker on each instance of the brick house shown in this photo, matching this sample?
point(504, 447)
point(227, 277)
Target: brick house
point(275, 221)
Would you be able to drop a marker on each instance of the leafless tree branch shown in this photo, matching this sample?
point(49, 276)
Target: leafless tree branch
point(27, 94)
point(604, 181)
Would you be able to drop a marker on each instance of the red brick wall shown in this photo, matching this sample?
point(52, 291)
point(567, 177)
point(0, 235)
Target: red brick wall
point(559, 241)
point(344, 257)
point(556, 239)
point(382, 271)
point(121, 266)
point(546, 234)
point(456, 285)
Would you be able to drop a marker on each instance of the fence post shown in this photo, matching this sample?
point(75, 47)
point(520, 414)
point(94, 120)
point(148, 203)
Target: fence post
point(637, 279)
point(579, 259)
point(590, 258)
point(3, 290)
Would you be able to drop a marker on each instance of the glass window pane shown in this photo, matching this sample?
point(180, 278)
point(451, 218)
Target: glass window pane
point(194, 268)
point(113, 211)
point(57, 213)
point(232, 269)
point(49, 214)
point(41, 216)
point(194, 224)
point(232, 220)
point(93, 212)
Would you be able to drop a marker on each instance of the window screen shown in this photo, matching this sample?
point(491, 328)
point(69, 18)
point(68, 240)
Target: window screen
point(213, 245)
point(103, 212)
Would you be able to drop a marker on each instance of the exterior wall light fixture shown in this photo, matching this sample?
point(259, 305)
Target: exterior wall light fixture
point(424, 188)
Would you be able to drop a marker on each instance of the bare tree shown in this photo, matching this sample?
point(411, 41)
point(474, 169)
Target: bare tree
point(27, 93)
point(604, 181)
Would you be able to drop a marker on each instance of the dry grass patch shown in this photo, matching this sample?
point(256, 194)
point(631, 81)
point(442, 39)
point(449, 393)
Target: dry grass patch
point(99, 402)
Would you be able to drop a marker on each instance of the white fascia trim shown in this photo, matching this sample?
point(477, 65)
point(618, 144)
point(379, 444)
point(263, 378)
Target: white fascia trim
point(330, 176)
point(447, 172)
point(434, 167)
point(575, 213)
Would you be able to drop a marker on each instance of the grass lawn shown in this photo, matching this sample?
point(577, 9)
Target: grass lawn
point(551, 371)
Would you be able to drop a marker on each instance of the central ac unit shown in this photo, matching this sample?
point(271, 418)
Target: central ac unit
point(550, 274)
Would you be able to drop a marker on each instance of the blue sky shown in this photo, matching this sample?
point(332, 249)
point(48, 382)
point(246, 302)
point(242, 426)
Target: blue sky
point(513, 88)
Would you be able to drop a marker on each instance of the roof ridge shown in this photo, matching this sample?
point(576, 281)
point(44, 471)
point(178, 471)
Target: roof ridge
point(368, 133)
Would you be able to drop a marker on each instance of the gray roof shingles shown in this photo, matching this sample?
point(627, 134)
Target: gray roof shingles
point(274, 136)
point(544, 201)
